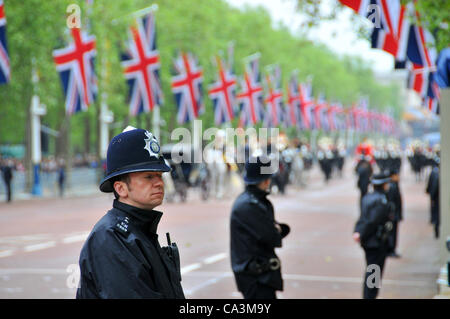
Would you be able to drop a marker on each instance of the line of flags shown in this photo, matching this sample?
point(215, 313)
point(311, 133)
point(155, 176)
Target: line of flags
point(400, 33)
point(253, 98)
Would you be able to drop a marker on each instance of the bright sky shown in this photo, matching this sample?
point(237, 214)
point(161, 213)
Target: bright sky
point(338, 35)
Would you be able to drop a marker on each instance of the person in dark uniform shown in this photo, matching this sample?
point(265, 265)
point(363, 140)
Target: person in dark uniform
point(364, 171)
point(7, 178)
point(433, 190)
point(254, 234)
point(394, 196)
point(122, 257)
point(372, 232)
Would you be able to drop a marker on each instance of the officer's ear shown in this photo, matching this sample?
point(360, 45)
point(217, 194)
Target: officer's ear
point(120, 189)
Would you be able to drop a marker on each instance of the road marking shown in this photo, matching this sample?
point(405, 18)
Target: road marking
point(6, 253)
point(39, 246)
point(33, 271)
point(209, 282)
point(215, 258)
point(190, 268)
point(330, 279)
point(75, 238)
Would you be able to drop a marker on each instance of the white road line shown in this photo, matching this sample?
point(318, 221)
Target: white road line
point(75, 238)
point(39, 246)
point(189, 268)
point(214, 258)
point(6, 253)
point(33, 271)
point(209, 282)
point(330, 279)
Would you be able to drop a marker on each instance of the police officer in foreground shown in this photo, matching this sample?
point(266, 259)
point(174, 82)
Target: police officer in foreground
point(255, 234)
point(372, 231)
point(122, 257)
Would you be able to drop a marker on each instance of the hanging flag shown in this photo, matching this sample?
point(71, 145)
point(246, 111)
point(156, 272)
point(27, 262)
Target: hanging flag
point(294, 102)
point(274, 100)
point(433, 94)
point(251, 97)
point(443, 68)
point(223, 93)
point(307, 105)
point(361, 7)
point(392, 36)
point(141, 67)
point(5, 68)
point(418, 79)
point(187, 88)
point(75, 64)
point(320, 113)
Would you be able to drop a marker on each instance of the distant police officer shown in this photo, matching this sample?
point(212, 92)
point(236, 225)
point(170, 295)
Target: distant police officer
point(395, 197)
point(364, 171)
point(433, 191)
point(122, 257)
point(255, 234)
point(372, 232)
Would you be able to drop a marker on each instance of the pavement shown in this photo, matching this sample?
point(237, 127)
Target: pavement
point(40, 242)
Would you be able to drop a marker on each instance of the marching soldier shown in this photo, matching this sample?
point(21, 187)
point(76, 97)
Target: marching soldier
point(122, 257)
point(255, 234)
point(372, 232)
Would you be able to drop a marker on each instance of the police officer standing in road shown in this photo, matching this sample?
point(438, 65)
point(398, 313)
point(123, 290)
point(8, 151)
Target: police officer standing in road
point(433, 191)
point(372, 232)
point(394, 196)
point(255, 234)
point(122, 257)
point(364, 171)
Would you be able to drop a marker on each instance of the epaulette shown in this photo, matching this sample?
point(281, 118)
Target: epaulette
point(122, 225)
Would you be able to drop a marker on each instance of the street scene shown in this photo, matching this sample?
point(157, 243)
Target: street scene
point(224, 149)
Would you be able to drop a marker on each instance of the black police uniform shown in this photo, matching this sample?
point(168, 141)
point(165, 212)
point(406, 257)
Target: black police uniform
point(253, 238)
point(364, 171)
point(433, 191)
point(394, 196)
point(374, 227)
point(122, 258)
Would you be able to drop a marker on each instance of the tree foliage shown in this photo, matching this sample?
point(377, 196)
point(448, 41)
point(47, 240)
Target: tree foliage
point(203, 27)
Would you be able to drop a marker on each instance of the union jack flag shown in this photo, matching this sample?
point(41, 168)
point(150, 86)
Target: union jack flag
point(306, 105)
point(433, 94)
point(320, 110)
point(223, 93)
point(75, 64)
point(5, 68)
point(141, 65)
point(392, 36)
point(294, 102)
point(250, 99)
point(418, 79)
point(187, 88)
point(361, 7)
point(274, 100)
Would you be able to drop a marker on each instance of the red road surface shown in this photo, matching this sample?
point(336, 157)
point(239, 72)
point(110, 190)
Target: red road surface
point(40, 241)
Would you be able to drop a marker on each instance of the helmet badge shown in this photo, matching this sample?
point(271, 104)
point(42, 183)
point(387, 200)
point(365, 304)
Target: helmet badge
point(151, 144)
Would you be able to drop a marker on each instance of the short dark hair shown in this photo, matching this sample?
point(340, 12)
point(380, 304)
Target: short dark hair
point(121, 178)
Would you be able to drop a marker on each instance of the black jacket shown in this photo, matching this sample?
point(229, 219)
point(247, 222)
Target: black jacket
point(373, 224)
point(122, 258)
point(433, 184)
point(253, 238)
point(364, 171)
point(394, 196)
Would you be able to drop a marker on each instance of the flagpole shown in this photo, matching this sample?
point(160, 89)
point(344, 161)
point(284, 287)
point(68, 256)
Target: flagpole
point(138, 13)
